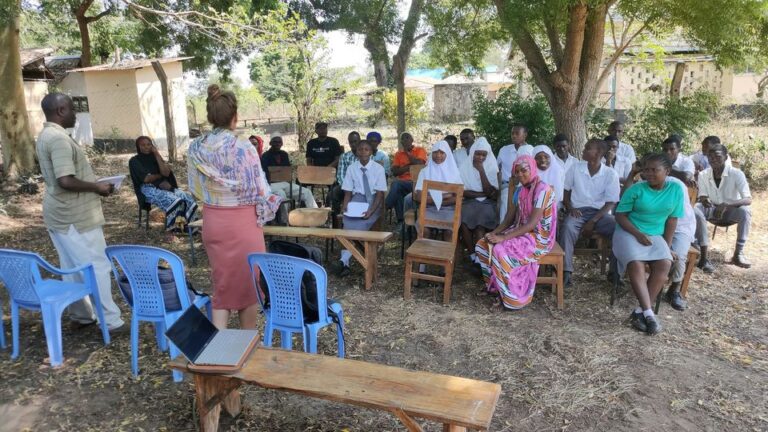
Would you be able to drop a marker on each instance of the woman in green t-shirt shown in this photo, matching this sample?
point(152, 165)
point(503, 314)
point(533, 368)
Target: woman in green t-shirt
point(646, 219)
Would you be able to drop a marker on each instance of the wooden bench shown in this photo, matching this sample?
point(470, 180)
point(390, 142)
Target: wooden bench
point(457, 403)
point(367, 257)
point(555, 258)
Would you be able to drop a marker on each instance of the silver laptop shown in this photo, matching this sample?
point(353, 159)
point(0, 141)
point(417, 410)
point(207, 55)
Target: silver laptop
point(203, 344)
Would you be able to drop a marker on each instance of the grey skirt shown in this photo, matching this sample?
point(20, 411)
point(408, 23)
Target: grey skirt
point(360, 224)
point(626, 249)
point(476, 213)
point(445, 214)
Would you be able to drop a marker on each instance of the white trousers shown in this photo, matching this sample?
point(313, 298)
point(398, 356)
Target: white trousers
point(503, 201)
point(283, 189)
point(76, 249)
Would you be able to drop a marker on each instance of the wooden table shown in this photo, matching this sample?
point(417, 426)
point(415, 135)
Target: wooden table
point(368, 257)
point(457, 403)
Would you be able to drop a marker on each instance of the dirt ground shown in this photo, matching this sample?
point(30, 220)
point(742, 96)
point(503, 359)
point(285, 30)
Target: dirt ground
point(581, 369)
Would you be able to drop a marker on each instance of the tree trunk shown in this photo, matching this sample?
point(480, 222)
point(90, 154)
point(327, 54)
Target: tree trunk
point(170, 127)
point(571, 122)
point(400, 60)
point(85, 35)
point(15, 135)
point(398, 74)
point(377, 48)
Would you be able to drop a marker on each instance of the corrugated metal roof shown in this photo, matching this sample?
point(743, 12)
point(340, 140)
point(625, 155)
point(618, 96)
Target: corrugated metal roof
point(128, 64)
point(31, 55)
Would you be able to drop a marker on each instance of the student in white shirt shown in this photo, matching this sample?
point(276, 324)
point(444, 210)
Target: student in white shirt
point(699, 158)
point(685, 232)
point(364, 182)
point(467, 138)
point(591, 192)
point(620, 164)
point(625, 150)
point(724, 196)
point(507, 156)
point(682, 166)
point(563, 155)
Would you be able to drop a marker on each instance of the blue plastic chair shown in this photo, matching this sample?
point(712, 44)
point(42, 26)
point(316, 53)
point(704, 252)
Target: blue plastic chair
point(139, 264)
point(27, 289)
point(2, 328)
point(283, 275)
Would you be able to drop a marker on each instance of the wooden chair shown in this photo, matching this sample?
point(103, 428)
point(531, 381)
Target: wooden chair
point(690, 263)
point(279, 174)
point(434, 252)
point(555, 258)
point(603, 250)
point(409, 217)
point(317, 176)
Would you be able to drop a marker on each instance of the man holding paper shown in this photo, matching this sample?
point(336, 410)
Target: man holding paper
point(364, 186)
point(72, 207)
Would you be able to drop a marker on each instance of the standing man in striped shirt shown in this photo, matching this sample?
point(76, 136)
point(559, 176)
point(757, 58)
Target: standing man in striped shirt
point(72, 207)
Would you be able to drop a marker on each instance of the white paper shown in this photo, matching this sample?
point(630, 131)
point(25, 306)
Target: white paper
point(356, 209)
point(117, 180)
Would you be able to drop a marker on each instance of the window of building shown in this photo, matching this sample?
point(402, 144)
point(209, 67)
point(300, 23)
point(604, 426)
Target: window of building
point(81, 104)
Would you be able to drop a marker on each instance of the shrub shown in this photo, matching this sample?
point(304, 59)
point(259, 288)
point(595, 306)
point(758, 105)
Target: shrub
point(652, 120)
point(494, 118)
point(415, 107)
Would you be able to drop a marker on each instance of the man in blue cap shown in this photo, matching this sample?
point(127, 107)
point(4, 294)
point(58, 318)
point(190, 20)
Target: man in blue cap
point(379, 156)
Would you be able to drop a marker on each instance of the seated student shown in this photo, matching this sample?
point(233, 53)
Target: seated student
point(275, 156)
point(380, 156)
point(441, 167)
point(154, 182)
point(452, 141)
point(724, 197)
point(525, 235)
point(646, 219)
point(364, 182)
point(700, 160)
point(481, 188)
point(591, 192)
point(402, 186)
point(323, 150)
point(467, 138)
point(564, 158)
point(347, 159)
point(257, 142)
point(625, 150)
point(682, 166)
point(507, 156)
point(550, 172)
point(620, 164)
point(681, 240)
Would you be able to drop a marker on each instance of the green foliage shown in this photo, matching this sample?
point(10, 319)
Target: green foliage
point(297, 73)
point(652, 120)
point(494, 118)
point(753, 157)
point(415, 107)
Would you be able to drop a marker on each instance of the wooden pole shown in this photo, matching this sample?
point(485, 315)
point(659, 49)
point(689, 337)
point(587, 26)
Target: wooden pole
point(170, 129)
point(677, 80)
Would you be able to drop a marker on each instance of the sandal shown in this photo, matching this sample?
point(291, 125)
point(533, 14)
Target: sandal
point(496, 305)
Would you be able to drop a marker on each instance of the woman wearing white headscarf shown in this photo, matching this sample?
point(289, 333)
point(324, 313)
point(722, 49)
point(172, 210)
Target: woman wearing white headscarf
point(479, 172)
point(550, 172)
point(441, 167)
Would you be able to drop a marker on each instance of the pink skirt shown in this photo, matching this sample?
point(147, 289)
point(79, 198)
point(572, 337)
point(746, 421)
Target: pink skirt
point(230, 234)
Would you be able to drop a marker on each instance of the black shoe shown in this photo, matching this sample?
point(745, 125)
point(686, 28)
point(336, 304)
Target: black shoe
point(78, 325)
point(567, 279)
point(123, 329)
point(652, 326)
point(740, 260)
point(706, 266)
point(345, 271)
point(638, 321)
point(676, 300)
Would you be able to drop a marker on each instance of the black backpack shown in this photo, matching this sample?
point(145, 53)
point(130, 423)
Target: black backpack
point(308, 283)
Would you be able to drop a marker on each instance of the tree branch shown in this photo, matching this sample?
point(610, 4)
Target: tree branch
point(554, 40)
point(100, 15)
point(592, 53)
point(574, 43)
point(617, 55)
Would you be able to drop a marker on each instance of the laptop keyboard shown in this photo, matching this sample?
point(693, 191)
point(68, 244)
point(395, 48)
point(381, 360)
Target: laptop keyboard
point(226, 348)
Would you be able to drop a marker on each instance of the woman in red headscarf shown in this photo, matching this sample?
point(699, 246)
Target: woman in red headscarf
point(509, 255)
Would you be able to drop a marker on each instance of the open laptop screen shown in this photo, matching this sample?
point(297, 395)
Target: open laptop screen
point(191, 333)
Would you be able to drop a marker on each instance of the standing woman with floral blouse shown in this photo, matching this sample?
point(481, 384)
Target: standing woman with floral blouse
point(225, 174)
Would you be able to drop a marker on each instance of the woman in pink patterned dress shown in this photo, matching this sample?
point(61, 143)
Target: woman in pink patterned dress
point(509, 255)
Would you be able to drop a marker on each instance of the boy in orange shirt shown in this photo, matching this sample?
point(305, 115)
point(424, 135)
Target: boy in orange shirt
point(401, 166)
